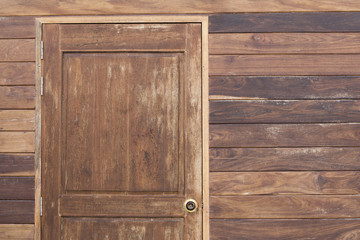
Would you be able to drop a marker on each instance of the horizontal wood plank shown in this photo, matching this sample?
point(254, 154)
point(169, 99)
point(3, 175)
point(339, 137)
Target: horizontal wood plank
point(290, 229)
point(303, 65)
point(286, 22)
point(17, 27)
point(17, 120)
point(256, 183)
point(295, 206)
point(17, 73)
point(17, 97)
point(281, 111)
point(284, 135)
point(289, 43)
point(283, 159)
point(17, 49)
point(16, 211)
point(17, 231)
point(296, 87)
point(17, 164)
point(17, 142)
point(17, 188)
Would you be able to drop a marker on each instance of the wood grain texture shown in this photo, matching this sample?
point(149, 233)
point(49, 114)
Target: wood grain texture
point(17, 231)
point(17, 119)
point(297, 87)
point(284, 135)
point(20, 164)
point(17, 142)
point(17, 27)
point(277, 43)
point(284, 111)
point(303, 65)
point(16, 211)
point(17, 50)
point(261, 183)
point(17, 188)
point(290, 229)
point(283, 159)
point(17, 73)
point(17, 97)
point(295, 206)
point(286, 22)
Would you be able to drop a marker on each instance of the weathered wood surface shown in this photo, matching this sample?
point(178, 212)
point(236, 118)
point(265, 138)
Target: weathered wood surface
point(284, 135)
point(16, 211)
point(17, 97)
point(17, 119)
point(17, 49)
point(287, 206)
point(290, 229)
point(17, 73)
point(20, 164)
point(17, 231)
point(304, 65)
point(17, 188)
point(285, 111)
point(17, 27)
point(296, 87)
point(17, 142)
point(283, 159)
point(257, 183)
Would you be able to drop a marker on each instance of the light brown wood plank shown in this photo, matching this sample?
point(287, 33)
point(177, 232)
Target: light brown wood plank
point(17, 141)
point(17, 27)
point(20, 164)
point(17, 49)
point(256, 183)
point(295, 206)
point(16, 211)
point(17, 188)
point(284, 64)
point(284, 135)
point(17, 73)
point(17, 97)
point(17, 119)
point(290, 229)
point(282, 159)
point(17, 231)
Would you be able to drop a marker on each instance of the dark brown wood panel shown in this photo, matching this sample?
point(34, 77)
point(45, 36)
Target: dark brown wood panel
point(284, 111)
point(290, 229)
point(17, 49)
point(295, 206)
point(17, 73)
point(16, 211)
point(286, 22)
point(17, 120)
point(17, 188)
point(256, 183)
point(20, 164)
point(17, 97)
point(284, 135)
point(283, 159)
point(17, 231)
point(17, 142)
point(305, 65)
point(17, 27)
point(296, 87)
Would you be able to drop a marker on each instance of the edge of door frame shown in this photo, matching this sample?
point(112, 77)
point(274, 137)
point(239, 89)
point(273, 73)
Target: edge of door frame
point(203, 19)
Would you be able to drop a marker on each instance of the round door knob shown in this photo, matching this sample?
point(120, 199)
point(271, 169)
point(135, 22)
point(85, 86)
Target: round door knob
point(190, 205)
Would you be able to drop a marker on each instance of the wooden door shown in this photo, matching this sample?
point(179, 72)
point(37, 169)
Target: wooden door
point(121, 131)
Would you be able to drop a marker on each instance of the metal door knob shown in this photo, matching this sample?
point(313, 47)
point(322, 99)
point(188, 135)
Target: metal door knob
point(190, 205)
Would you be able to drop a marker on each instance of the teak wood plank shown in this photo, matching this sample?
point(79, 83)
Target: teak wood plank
point(290, 229)
point(284, 135)
point(289, 43)
point(296, 87)
point(17, 49)
point(285, 22)
point(17, 73)
point(305, 65)
point(295, 206)
point(20, 164)
point(17, 27)
point(17, 188)
point(16, 211)
point(261, 183)
point(283, 159)
point(17, 142)
point(282, 111)
point(17, 231)
point(17, 97)
point(17, 120)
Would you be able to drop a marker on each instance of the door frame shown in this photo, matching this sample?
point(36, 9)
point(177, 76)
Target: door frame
point(203, 20)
